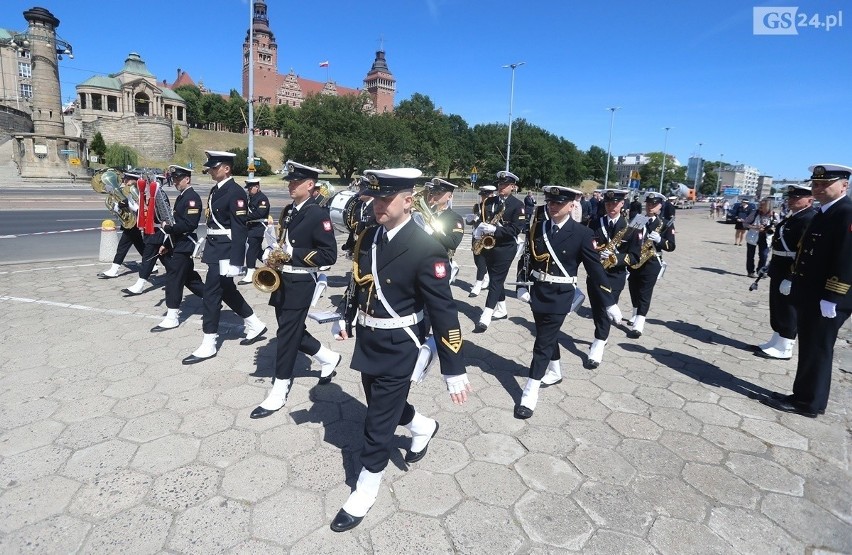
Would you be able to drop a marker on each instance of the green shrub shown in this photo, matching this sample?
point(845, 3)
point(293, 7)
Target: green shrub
point(120, 156)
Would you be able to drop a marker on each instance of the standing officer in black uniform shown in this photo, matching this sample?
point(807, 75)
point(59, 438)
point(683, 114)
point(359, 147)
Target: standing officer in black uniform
point(225, 255)
point(130, 237)
point(822, 277)
point(447, 226)
point(610, 232)
point(360, 217)
point(482, 279)
point(307, 238)
point(150, 226)
point(635, 207)
point(782, 310)
point(258, 212)
point(505, 219)
point(398, 271)
point(556, 246)
point(179, 247)
point(646, 262)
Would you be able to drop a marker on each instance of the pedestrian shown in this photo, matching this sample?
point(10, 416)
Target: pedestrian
point(712, 208)
point(724, 209)
point(760, 226)
point(782, 310)
point(177, 250)
point(529, 205)
point(256, 223)
point(398, 272)
point(741, 212)
point(822, 277)
point(225, 256)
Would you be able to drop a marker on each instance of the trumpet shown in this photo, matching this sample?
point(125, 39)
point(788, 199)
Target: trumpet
point(268, 278)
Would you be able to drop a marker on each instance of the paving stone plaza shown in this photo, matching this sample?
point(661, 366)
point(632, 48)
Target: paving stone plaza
point(109, 445)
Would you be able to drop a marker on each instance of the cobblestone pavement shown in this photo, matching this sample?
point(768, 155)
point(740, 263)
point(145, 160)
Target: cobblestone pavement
point(108, 444)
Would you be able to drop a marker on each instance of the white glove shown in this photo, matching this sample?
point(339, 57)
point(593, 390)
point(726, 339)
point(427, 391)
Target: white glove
point(234, 271)
point(606, 253)
point(655, 237)
point(428, 229)
point(288, 248)
point(456, 384)
point(523, 294)
point(337, 327)
point(477, 233)
point(488, 229)
point(785, 286)
point(469, 219)
point(614, 313)
point(828, 309)
point(265, 254)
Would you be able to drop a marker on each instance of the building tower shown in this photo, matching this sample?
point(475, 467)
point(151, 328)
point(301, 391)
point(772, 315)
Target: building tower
point(46, 101)
point(266, 79)
point(381, 84)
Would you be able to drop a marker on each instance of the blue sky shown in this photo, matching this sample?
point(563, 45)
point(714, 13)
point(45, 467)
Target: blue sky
point(780, 103)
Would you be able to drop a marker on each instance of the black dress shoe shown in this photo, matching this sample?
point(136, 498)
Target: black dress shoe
point(480, 328)
point(473, 295)
point(129, 293)
point(522, 412)
point(327, 379)
point(344, 521)
point(788, 398)
point(760, 354)
point(192, 359)
point(156, 329)
point(788, 405)
point(254, 339)
point(105, 276)
point(557, 382)
point(412, 457)
point(633, 334)
point(260, 412)
point(591, 364)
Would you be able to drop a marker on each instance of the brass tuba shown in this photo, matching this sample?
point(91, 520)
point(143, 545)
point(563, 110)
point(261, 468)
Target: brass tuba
point(108, 182)
point(422, 213)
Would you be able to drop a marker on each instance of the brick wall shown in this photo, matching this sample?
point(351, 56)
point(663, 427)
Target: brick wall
point(151, 137)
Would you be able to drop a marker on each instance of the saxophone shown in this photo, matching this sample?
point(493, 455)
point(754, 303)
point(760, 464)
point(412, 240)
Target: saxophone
point(487, 241)
point(648, 249)
point(621, 235)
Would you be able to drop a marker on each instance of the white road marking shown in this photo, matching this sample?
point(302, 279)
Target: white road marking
point(48, 232)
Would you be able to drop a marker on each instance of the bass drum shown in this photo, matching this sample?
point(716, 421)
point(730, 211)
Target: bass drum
point(337, 207)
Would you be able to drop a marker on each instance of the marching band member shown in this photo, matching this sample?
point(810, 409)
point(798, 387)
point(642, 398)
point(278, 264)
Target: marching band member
point(447, 226)
point(398, 271)
point(179, 247)
point(782, 310)
point(474, 220)
point(258, 212)
point(608, 229)
point(539, 213)
point(152, 235)
point(225, 255)
point(557, 247)
point(364, 216)
point(307, 238)
point(130, 237)
point(646, 261)
point(505, 219)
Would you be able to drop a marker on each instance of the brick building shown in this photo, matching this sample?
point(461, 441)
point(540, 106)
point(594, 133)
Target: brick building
point(273, 88)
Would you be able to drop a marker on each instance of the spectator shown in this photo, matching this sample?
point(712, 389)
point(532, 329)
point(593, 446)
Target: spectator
point(762, 221)
point(712, 208)
point(635, 207)
point(741, 212)
point(586, 208)
point(723, 209)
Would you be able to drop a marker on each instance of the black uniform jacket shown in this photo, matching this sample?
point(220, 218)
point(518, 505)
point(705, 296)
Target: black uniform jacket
point(599, 227)
point(258, 211)
point(229, 204)
point(824, 262)
point(667, 242)
point(187, 214)
point(789, 231)
point(573, 245)
point(511, 224)
point(449, 230)
point(311, 235)
point(414, 272)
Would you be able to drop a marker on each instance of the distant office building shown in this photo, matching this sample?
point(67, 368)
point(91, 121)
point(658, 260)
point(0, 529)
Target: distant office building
point(273, 88)
point(694, 167)
point(764, 186)
point(741, 176)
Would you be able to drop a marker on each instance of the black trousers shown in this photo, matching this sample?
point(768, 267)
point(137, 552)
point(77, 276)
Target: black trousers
point(641, 286)
point(782, 311)
point(387, 408)
point(292, 337)
point(817, 336)
point(598, 302)
point(218, 289)
point(149, 259)
point(254, 250)
point(481, 267)
point(129, 238)
point(762, 253)
point(498, 261)
point(546, 346)
point(180, 273)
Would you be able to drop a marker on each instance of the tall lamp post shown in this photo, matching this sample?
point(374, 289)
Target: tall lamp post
point(665, 147)
point(719, 174)
point(609, 144)
point(511, 101)
point(250, 123)
point(698, 169)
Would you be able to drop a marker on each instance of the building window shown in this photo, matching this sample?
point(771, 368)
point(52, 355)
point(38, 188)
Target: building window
point(112, 104)
point(26, 90)
point(142, 104)
point(180, 113)
point(82, 101)
point(24, 54)
point(97, 102)
point(25, 70)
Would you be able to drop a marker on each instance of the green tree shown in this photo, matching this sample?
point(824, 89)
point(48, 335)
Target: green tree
point(263, 118)
point(431, 131)
point(98, 146)
point(461, 149)
point(262, 167)
point(284, 119)
point(213, 111)
point(178, 136)
point(121, 156)
point(595, 163)
point(650, 172)
point(192, 96)
point(236, 113)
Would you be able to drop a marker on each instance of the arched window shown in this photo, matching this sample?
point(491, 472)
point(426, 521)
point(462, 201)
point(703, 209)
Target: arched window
point(143, 104)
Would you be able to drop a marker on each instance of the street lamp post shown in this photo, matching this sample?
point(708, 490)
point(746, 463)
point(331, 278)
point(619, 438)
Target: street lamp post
point(665, 147)
point(511, 101)
point(698, 169)
point(719, 174)
point(609, 144)
point(250, 124)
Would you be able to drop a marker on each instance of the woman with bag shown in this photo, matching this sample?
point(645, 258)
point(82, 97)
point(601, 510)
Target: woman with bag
point(759, 225)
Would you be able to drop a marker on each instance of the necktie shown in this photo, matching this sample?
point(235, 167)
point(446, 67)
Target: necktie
point(611, 228)
point(554, 229)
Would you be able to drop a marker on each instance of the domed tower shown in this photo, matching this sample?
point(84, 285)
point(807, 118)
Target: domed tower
point(46, 101)
point(266, 78)
point(381, 84)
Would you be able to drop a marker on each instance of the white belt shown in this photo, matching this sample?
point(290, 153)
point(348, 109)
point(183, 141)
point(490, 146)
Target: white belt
point(788, 254)
point(547, 278)
point(388, 323)
point(287, 269)
point(219, 232)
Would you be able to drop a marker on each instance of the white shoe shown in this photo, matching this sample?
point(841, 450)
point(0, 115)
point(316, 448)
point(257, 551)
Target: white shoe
point(484, 320)
point(207, 348)
point(366, 491)
point(633, 316)
point(500, 311)
point(474, 291)
point(328, 361)
point(137, 288)
point(486, 281)
point(637, 328)
point(771, 343)
point(254, 329)
point(247, 278)
point(596, 352)
point(422, 431)
point(523, 294)
point(553, 375)
point(277, 396)
point(112, 272)
point(169, 322)
point(782, 350)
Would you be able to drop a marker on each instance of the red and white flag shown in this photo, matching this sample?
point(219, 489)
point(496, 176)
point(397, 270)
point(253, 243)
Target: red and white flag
point(324, 64)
